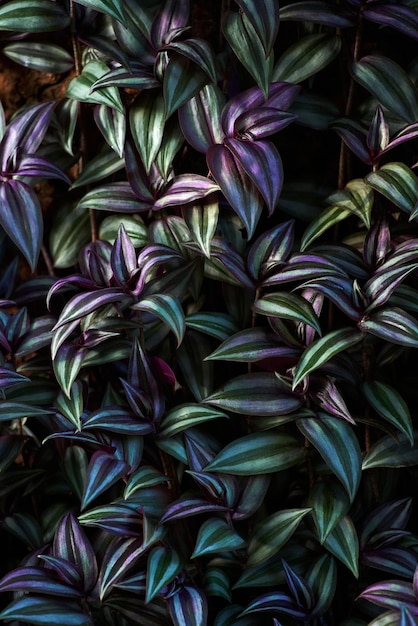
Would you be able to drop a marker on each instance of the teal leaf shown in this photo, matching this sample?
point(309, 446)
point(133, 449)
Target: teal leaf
point(186, 416)
point(103, 471)
point(392, 452)
point(119, 557)
point(144, 476)
point(146, 121)
point(323, 349)
point(182, 81)
point(44, 57)
point(163, 566)
point(398, 183)
point(288, 306)
point(338, 445)
point(33, 16)
point(342, 542)
point(272, 533)
point(34, 609)
point(306, 57)
point(113, 8)
point(67, 363)
point(329, 504)
point(79, 88)
point(322, 578)
point(246, 44)
point(168, 309)
point(264, 17)
point(390, 405)
point(215, 535)
point(70, 232)
point(198, 51)
point(218, 325)
point(389, 84)
point(216, 583)
point(258, 394)
point(200, 118)
point(197, 373)
point(258, 453)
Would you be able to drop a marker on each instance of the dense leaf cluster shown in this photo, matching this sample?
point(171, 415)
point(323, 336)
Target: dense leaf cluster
point(208, 339)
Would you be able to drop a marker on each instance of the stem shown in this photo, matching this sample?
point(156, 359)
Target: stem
point(93, 225)
point(74, 40)
point(47, 260)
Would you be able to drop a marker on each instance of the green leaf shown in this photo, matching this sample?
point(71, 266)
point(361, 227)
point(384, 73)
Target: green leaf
point(329, 504)
point(258, 394)
point(67, 363)
point(146, 121)
point(44, 57)
point(187, 416)
point(264, 17)
point(272, 533)
point(390, 405)
point(357, 197)
point(288, 306)
point(172, 141)
point(392, 452)
point(218, 325)
point(258, 453)
point(202, 221)
point(250, 345)
point(389, 84)
point(168, 309)
point(215, 535)
point(33, 16)
point(112, 125)
point(145, 476)
point(133, 225)
point(322, 578)
point(398, 183)
point(325, 220)
point(338, 445)
point(114, 8)
point(342, 542)
point(197, 373)
point(246, 44)
point(199, 51)
point(307, 57)
point(163, 566)
point(70, 232)
point(182, 81)
point(323, 349)
point(216, 583)
point(79, 88)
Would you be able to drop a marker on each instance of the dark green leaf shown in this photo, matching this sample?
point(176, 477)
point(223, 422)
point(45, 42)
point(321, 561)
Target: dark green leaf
point(35, 16)
point(306, 57)
point(390, 405)
point(342, 542)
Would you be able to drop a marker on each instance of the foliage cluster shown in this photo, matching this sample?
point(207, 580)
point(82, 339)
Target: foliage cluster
point(208, 339)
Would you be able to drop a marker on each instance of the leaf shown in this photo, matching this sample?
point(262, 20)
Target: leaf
point(258, 394)
point(323, 349)
point(186, 416)
point(326, 219)
point(10, 448)
point(280, 602)
point(67, 363)
point(392, 324)
point(21, 218)
point(402, 18)
point(262, 163)
point(80, 87)
point(322, 578)
point(168, 309)
point(198, 51)
point(117, 419)
point(307, 57)
point(392, 595)
point(134, 227)
point(244, 40)
point(258, 453)
point(163, 566)
point(117, 197)
point(85, 303)
point(215, 535)
point(44, 57)
point(218, 325)
point(197, 373)
point(173, 16)
point(390, 405)
point(272, 533)
point(183, 189)
point(40, 610)
point(391, 452)
point(188, 607)
point(342, 542)
point(36, 579)
point(236, 185)
point(398, 183)
point(34, 16)
point(145, 476)
point(329, 504)
point(69, 233)
point(104, 164)
point(288, 306)
point(188, 505)
point(252, 344)
point(112, 125)
point(216, 583)
point(70, 543)
point(182, 80)
point(264, 16)
point(200, 118)
point(119, 558)
point(317, 11)
point(202, 221)
point(338, 445)
point(146, 120)
point(109, 7)
point(389, 84)
point(172, 141)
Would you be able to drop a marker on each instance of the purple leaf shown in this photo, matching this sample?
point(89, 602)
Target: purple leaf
point(66, 570)
point(220, 489)
point(326, 395)
point(391, 595)
point(184, 189)
point(279, 602)
point(305, 267)
point(21, 218)
point(83, 304)
point(9, 377)
point(317, 11)
point(406, 134)
point(103, 471)
point(117, 419)
point(29, 165)
point(251, 345)
point(281, 96)
point(392, 324)
point(262, 122)
point(188, 505)
point(119, 557)
point(272, 247)
point(188, 607)
point(172, 15)
point(236, 185)
point(339, 290)
point(355, 137)
point(300, 589)
point(262, 162)
point(123, 258)
point(71, 543)
point(384, 282)
point(401, 17)
point(37, 579)
point(25, 133)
